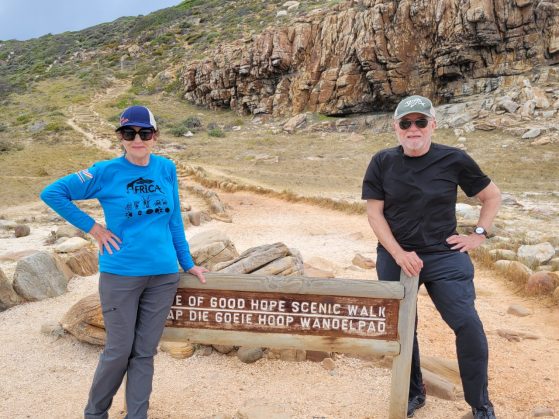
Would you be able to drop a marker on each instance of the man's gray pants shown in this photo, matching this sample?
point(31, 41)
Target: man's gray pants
point(134, 310)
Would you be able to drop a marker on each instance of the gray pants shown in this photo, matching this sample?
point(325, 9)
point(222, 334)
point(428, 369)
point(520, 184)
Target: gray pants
point(134, 310)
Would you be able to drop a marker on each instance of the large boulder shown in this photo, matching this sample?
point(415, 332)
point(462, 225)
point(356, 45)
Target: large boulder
point(84, 262)
point(39, 276)
point(212, 247)
point(540, 283)
point(257, 258)
point(539, 253)
point(8, 297)
point(73, 244)
point(84, 320)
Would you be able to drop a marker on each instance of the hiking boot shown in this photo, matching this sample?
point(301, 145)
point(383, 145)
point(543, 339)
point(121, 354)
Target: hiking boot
point(416, 402)
point(484, 412)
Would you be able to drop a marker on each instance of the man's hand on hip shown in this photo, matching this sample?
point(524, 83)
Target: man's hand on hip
point(410, 263)
point(465, 243)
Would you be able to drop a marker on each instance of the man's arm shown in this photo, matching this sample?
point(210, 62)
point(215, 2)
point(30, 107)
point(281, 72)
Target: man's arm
point(490, 198)
point(410, 263)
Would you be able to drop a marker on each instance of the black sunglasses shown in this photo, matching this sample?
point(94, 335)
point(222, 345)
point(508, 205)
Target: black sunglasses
point(129, 134)
point(419, 123)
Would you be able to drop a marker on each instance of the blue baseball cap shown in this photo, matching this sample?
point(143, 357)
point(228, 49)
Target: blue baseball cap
point(137, 116)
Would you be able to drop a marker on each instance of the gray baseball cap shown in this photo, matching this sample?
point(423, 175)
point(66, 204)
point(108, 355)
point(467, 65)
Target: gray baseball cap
point(414, 104)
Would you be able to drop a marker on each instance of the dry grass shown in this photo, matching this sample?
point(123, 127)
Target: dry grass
point(26, 172)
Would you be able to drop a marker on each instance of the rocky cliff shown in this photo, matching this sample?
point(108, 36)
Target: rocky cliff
point(364, 55)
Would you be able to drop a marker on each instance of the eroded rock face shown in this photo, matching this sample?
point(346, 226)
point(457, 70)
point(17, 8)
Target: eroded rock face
point(364, 55)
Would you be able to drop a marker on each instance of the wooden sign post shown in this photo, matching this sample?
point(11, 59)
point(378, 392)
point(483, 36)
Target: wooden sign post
point(332, 315)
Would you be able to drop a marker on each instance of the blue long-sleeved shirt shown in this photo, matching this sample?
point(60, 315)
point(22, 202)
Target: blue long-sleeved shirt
point(141, 206)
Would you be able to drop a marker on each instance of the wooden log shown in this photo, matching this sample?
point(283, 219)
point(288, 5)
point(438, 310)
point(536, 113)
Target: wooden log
point(296, 284)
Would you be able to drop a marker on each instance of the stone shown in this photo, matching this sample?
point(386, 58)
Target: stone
point(317, 356)
point(84, 262)
point(68, 230)
point(195, 217)
point(249, 355)
point(205, 350)
point(8, 297)
point(84, 320)
point(178, 350)
point(73, 244)
point(363, 262)
point(223, 217)
point(516, 336)
point(296, 122)
point(328, 364)
point(292, 355)
point(22, 230)
point(540, 412)
point(278, 266)
point(540, 283)
point(503, 254)
point(223, 349)
point(437, 386)
point(467, 212)
point(514, 270)
point(312, 272)
point(281, 13)
point(528, 108)
point(254, 258)
point(518, 310)
point(531, 133)
point(442, 367)
point(509, 105)
point(38, 277)
point(212, 247)
point(541, 252)
point(8, 225)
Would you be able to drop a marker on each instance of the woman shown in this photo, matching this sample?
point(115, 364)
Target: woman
point(139, 248)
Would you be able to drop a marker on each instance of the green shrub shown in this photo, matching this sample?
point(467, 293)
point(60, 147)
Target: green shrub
point(56, 126)
point(3, 127)
point(23, 119)
point(216, 132)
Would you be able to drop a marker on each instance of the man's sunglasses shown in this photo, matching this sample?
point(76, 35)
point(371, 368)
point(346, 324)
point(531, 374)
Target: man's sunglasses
point(129, 134)
point(419, 123)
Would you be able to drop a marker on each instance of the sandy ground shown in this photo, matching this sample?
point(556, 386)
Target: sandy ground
point(45, 377)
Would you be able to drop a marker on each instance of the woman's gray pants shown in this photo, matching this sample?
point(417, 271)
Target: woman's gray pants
point(134, 310)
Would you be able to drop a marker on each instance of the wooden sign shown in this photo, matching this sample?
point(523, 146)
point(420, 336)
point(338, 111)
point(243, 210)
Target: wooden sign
point(333, 315)
point(324, 315)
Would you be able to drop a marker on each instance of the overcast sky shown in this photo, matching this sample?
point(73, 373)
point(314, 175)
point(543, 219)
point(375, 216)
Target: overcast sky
point(25, 19)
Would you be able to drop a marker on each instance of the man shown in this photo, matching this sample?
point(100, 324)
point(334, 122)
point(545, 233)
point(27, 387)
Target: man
point(411, 198)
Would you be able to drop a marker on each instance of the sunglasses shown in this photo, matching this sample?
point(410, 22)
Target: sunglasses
point(419, 123)
point(129, 134)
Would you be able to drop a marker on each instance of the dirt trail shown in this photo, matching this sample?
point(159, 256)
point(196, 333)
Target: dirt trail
point(523, 375)
point(87, 121)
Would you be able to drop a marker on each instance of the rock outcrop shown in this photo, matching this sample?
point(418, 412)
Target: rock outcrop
point(364, 55)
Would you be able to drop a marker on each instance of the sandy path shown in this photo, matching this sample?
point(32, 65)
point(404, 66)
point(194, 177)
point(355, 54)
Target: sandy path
point(44, 377)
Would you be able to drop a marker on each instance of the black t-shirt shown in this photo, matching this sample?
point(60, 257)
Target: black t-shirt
point(419, 193)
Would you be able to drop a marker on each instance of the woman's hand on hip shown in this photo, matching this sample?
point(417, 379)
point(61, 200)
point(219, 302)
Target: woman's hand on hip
point(198, 271)
point(105, 238)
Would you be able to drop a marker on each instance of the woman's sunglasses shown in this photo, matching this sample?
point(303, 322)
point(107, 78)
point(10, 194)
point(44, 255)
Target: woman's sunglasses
point(419, 123)
point(129, 134)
